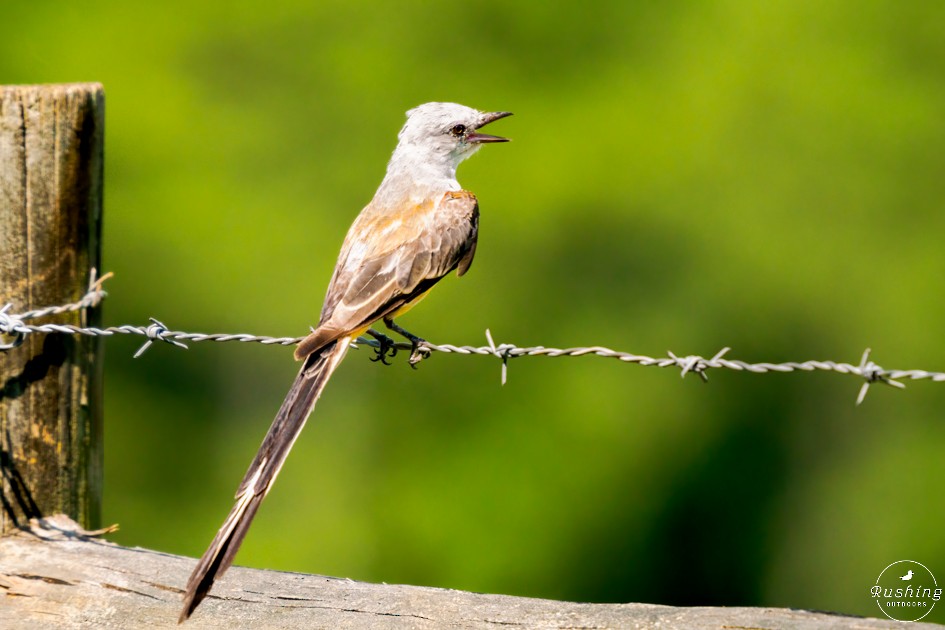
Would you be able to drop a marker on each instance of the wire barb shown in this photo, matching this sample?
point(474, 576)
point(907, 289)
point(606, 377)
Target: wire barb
point(503, 351)
point(873, 374)
point(691, 363)
point(14, 325)
point(157, 331)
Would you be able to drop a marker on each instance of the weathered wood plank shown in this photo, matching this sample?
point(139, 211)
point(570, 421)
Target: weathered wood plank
point(53, 577)
point(51, 161)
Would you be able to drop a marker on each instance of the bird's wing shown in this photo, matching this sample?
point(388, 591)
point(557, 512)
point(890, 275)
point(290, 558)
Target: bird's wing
point(390, 259)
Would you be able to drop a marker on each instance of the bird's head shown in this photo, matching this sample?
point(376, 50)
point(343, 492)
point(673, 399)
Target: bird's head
point(447, 131)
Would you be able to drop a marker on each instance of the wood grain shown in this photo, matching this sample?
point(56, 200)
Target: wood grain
point(51, 161)
point(55, 577)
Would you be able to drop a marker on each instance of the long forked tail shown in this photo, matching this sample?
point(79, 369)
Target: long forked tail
point(296, 407)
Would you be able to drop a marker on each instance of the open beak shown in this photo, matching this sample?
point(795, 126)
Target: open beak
point(481, 138)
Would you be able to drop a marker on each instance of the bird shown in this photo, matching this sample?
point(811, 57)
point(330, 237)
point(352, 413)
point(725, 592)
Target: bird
point(419, 226)
point(907, 576)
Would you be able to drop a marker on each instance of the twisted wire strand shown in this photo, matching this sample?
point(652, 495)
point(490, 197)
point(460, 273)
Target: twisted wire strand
point(15, 325)
point(93, 296)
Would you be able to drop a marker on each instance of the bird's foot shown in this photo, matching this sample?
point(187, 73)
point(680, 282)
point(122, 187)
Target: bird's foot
point(418, 352)
point(418, 349)
point(385, 349)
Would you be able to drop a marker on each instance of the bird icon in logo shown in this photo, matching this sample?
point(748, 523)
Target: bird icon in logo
point(907, 576)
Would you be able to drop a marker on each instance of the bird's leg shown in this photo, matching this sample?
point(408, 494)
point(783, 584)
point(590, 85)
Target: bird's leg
point(386, 347)
point(417, 352)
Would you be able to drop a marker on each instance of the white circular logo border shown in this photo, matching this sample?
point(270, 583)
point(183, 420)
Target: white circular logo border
point(880, 606)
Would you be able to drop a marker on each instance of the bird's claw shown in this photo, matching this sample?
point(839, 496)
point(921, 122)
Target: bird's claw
point(386, 348)
point(418, 352)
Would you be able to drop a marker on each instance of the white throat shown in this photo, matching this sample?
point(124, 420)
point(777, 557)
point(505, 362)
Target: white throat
point(415, 173)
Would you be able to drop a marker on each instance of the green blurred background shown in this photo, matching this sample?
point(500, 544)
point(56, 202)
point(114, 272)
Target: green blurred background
point(686, 176)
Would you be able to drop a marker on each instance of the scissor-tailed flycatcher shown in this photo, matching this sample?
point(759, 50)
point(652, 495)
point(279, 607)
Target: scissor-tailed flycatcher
point(419, 226)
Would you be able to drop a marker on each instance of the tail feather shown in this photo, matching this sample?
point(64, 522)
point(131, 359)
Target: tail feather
point(288, 423)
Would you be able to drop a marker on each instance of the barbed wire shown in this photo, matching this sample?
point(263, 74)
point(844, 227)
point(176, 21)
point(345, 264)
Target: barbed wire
point(15, 325)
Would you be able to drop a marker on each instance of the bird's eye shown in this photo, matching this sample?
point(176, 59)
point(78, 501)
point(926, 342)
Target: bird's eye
point(458, 130)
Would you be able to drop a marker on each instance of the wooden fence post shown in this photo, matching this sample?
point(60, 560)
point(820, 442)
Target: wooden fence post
point(51, 159)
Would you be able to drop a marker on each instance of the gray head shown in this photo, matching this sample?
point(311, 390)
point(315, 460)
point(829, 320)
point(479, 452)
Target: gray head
point(434, 140)
point(447, 130)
